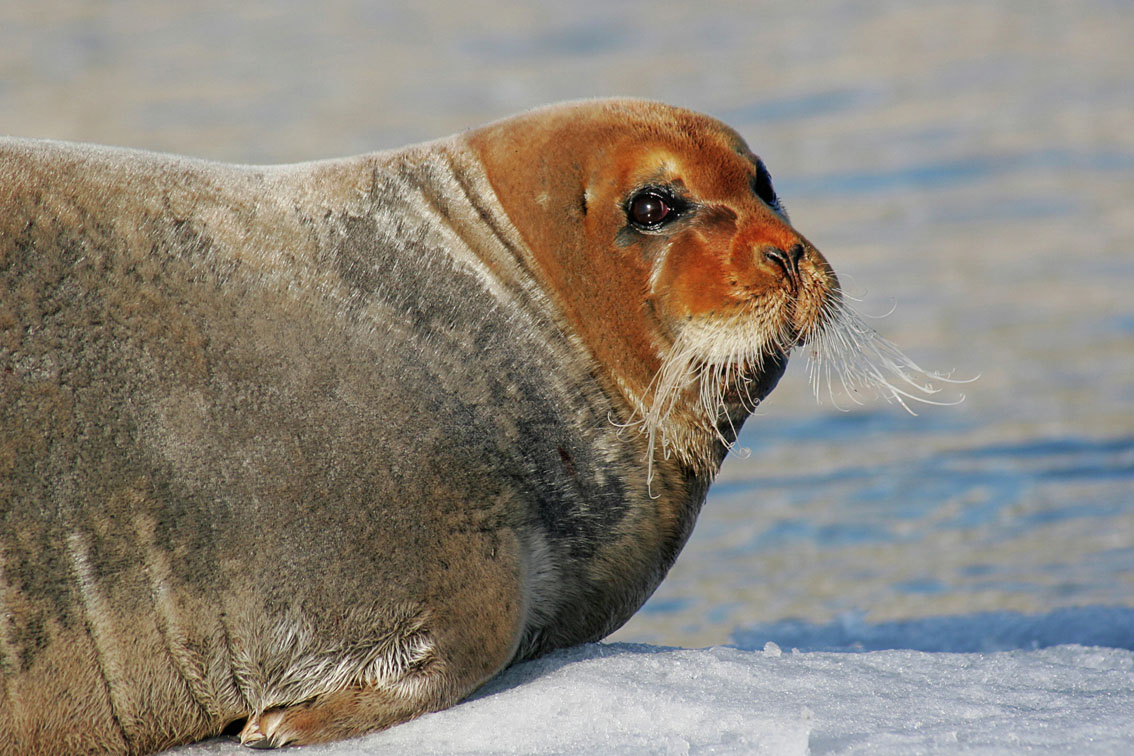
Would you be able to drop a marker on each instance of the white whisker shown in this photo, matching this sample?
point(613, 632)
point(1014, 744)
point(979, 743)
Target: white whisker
point(705, 373)
point(710, 377)
point(865, 362)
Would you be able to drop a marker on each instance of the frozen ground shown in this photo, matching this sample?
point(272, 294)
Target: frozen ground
point(984, 683)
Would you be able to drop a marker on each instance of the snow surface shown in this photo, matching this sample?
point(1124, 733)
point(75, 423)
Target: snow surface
point(985, 683)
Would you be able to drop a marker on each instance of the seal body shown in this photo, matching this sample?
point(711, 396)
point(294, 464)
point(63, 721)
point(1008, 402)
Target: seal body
point(325, 446)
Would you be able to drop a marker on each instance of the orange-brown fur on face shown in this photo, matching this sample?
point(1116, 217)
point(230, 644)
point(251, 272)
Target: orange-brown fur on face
point(637, 297)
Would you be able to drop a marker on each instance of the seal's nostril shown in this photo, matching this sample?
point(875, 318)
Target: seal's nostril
point(795, 254)
point(780, 258)
point(788, 261)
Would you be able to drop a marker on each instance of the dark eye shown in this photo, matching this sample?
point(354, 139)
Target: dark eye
point(762, 184)
point(650, 208)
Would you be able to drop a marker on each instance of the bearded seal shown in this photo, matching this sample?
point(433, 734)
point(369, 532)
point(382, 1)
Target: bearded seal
point(322, 447)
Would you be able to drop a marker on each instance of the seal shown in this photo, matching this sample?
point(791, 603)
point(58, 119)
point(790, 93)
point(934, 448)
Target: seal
point(321, 447)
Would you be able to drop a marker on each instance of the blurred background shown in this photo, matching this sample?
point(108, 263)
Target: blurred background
point(967, 167)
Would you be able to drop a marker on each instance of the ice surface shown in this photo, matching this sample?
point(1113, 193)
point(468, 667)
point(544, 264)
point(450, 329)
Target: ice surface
point(764, 697)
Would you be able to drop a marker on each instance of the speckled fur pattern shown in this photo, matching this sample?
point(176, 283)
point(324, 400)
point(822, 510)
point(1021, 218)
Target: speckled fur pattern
point(321, 446)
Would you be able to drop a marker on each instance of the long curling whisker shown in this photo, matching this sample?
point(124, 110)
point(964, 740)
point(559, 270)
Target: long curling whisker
point(861, 361)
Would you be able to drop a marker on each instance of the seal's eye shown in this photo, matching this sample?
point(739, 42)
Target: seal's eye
point(650, 208)
point(762, 185)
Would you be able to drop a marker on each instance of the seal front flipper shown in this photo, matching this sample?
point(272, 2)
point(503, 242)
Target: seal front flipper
point(359, 708)
point(263, 731)
point(331, 717)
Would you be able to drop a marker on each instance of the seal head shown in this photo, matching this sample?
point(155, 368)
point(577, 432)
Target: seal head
point(659, 235)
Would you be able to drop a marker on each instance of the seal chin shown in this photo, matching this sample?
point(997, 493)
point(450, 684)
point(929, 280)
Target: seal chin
point(750, 388)
point(762, 383)
point(710, 380)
